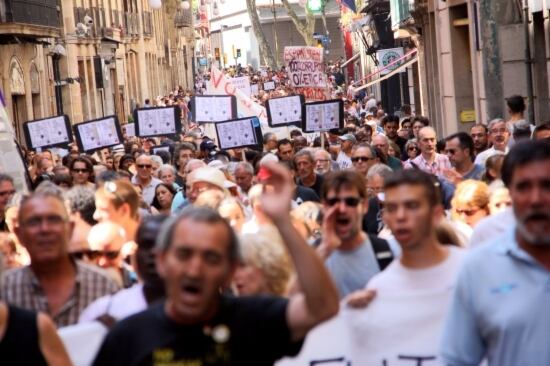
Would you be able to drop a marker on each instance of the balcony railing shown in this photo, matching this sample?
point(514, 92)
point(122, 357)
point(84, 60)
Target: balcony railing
point(42, 13)
point(183, 18)
point(400, 11)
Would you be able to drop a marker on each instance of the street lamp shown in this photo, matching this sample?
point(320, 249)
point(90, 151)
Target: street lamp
point(58, 51)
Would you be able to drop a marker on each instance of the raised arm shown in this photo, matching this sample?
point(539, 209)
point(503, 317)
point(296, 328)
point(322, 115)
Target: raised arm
point(317, 300)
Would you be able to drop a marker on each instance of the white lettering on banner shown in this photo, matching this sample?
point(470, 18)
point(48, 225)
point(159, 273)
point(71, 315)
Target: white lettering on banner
point(391, 331)
point(219, 84)
point(305, 66)
point(242, 84)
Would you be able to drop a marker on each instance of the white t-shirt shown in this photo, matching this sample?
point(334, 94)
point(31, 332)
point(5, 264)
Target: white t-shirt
point(120, 305)
point(402, 280)
point(407, 315)
point(343, 161)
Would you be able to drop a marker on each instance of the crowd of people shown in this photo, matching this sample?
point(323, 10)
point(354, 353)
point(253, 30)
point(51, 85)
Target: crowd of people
point(194, 255)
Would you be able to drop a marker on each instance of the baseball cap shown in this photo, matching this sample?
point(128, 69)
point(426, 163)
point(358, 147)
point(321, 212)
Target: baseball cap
point(208, 145)
point(348, 137)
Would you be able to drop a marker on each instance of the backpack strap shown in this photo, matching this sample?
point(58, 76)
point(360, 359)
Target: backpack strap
point(382, 251)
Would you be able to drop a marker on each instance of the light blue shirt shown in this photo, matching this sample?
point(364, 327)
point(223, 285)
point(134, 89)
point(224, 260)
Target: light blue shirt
point(352, 269)
point(501, 308)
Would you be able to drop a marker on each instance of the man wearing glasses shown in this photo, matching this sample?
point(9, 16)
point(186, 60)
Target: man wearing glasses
point(7, 190)
point(351, 256)
point(53, 283)
point(144, 178)
point(362, 158)
point(499, 136)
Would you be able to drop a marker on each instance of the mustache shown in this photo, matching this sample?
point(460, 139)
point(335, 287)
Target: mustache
point(536, 215)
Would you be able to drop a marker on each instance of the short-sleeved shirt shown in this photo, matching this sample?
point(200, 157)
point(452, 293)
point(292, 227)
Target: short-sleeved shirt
point(21, 288)
point(438, 167)
point(476, 173)
point(351, 270)
point(247, 331)
point(316, 186)
point(148, 192)
point(499, 310)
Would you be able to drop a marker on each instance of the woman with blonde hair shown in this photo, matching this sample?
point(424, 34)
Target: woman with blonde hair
point(265, 267)
point(470, 202)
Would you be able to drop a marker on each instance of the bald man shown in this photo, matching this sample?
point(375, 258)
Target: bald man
point(144, 178)
point(107, 241)
point(429, 160)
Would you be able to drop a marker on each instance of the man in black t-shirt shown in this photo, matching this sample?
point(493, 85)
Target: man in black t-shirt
point(196, 325)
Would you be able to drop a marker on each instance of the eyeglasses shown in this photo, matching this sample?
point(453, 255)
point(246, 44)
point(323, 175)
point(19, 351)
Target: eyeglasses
point(349, 201)
point(361, 158)
point(144, 166)
point(80, 171)
point(7, 193)
point(95, 254)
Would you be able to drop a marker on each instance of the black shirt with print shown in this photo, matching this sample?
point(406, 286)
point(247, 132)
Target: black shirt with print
point(246, 331)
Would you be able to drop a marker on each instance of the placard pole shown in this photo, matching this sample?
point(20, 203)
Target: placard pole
point(243, 154)
point(322, 139)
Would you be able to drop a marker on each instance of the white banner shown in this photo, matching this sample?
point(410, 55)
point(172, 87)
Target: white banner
point(394, 331)
point(243, 84)
point(219, 84)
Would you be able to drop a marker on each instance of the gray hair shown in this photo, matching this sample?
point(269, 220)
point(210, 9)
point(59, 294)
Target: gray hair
point(410, 142)
point(167, 167)
point(6, 177)
point(304, 152)
point(379, 169)
point(197, 214)
point(82, 200)
point(494, 122)
point(246, 166)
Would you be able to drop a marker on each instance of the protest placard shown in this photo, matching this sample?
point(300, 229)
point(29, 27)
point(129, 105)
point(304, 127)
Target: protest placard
point(47, 132)
point(213, 108)
point(240, 132)
point(98, 133)
point(323, 116)
point(157, 121)
point(305, 67)
point(285, 111)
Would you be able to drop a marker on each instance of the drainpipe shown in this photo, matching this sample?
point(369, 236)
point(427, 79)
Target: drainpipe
point(528, 62)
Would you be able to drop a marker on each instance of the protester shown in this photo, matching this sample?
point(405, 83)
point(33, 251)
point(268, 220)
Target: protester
point(499, 134)
point(164, 195)
point(7, 190)
point(479, 134)
point(509, 272)
point(194, 304)
point(53, 283)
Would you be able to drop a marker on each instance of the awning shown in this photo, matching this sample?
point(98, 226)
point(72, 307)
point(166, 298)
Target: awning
point(388, 75)
point(352, 59)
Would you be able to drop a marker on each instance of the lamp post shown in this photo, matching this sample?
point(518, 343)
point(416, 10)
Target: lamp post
point(57, 52)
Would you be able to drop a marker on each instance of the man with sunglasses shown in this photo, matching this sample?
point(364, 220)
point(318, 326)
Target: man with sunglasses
point(459, 148)
point(351, 256)
point(145, 179)
point(363, 157)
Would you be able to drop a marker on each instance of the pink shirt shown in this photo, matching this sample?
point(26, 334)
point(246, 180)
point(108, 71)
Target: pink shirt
point(438, 167)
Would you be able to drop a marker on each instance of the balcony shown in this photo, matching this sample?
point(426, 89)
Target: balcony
point(29, 18)
point(183, 18)
point(130, 24)
point(400, 12)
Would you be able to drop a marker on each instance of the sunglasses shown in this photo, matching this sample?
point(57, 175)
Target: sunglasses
point(95, 254)
point(413, 148)
point(7, 193)
point(144, 166)
point(349, 201)
point(361, 158)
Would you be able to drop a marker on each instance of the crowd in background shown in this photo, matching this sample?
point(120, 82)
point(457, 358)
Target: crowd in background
point(117, 199)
